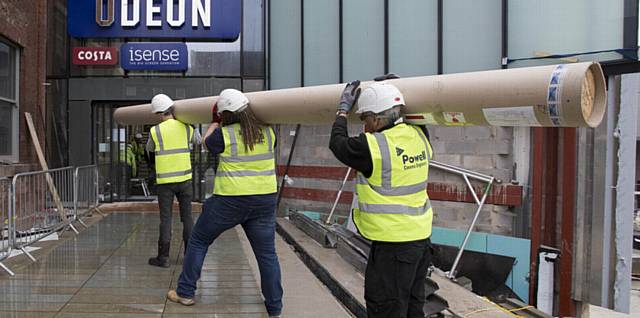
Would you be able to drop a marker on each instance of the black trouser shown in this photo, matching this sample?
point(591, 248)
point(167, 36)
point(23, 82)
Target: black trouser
point(166, 192)
point(395, 277)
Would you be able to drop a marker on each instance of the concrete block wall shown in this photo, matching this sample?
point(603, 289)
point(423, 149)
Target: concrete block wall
point(482, 149)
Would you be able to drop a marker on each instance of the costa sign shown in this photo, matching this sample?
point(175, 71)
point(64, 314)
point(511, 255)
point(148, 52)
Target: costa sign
point(205, 19)
point(95, 56)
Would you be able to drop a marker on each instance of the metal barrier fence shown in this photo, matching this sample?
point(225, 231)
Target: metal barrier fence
point(6, 225)
point(42, 204)
point(86, 190)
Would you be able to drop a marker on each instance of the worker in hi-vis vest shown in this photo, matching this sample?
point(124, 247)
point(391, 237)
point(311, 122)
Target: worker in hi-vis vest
point(128, 166)
point(244, 193)
point(393, 209)
point(171, 141)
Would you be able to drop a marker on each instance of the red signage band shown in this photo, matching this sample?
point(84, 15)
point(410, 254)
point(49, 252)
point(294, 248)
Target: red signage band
point(95, 56)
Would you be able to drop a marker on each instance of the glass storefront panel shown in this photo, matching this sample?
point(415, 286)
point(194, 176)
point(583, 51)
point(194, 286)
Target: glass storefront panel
point(252, 85)
point(322, 42)
point(214, 59)
point(57, 44)
point(472, 35)
point(413, 37)
point(538, 28)
point(253, 36)
point(57, 128)
point(285, 43)
point(363, 39)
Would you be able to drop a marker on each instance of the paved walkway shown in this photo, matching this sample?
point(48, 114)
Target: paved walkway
point(104, 273)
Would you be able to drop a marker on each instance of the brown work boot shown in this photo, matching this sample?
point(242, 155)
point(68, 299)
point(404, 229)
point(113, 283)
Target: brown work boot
point(174, 297)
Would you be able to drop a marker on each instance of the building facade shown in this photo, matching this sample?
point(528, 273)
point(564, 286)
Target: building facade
point(22, 83)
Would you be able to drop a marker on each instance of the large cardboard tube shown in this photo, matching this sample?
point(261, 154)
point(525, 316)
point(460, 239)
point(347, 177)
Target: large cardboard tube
point(566, 95)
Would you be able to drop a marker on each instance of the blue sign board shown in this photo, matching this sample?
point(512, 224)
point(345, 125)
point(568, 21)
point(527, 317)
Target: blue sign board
point(201, 19)
point(154, 56)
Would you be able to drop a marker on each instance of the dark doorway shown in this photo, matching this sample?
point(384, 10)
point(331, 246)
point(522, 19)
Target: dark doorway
point(120, 181)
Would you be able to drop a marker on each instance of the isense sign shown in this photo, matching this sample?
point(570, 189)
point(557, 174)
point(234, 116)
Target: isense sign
point(204, 19)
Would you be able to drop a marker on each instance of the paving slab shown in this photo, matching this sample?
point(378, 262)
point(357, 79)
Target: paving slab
point(103, 272)
point(304, 295)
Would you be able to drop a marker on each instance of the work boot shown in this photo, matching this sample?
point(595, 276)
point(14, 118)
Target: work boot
point(163, 256)
point(174, 297)
point(159, 261)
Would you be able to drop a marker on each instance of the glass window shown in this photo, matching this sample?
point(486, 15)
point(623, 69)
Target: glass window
point(363, 39)
point(543, 27)
point(284, 46)
point(252, 85)
point(7, 72)
point(472, 35)
point(253, 46)
point(9, 61)
point(57, 128)
point(413, 37)
point(220, 84)
point(57, 38)
point(219, 59)
point(321, 42)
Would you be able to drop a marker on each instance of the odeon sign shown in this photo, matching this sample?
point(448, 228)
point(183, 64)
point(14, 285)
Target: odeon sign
point(203, 19)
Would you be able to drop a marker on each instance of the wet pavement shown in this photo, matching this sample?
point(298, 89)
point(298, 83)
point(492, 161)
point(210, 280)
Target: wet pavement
point(103, 272)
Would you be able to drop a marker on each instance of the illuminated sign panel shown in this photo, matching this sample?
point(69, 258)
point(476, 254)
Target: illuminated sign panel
point(154, 56)
point(95, 56)
point(204, 19)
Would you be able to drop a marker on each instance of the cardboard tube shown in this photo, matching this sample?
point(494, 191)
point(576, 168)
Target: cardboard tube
point(566, 95)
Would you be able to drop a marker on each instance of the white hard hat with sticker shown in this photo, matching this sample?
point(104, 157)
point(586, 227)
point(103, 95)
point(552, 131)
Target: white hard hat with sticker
point(379, 97)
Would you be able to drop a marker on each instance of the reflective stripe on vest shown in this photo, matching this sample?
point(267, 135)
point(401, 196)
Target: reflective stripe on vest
point(161, 151)
point(389, 209)
point(243, 171)
point(173, 155)
point(394, 208)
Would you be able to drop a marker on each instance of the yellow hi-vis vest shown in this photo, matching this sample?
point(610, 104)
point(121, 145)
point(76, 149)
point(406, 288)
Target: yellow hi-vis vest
point(173, 155)
point(242, 171)
point(128, 157)
point(393, 205)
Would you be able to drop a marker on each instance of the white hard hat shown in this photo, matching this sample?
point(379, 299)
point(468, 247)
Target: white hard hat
point(379, 97)
point(232, 100)
point(161, 103)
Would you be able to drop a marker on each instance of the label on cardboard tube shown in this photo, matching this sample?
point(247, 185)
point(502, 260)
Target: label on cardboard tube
point(421, 119)
point(454, 118)
point(511, 116)
point(554, 95)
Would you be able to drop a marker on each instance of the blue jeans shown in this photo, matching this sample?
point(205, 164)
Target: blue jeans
point(256, 214)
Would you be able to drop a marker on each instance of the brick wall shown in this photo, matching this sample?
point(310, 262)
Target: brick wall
point(23, 22)
point(482, 149)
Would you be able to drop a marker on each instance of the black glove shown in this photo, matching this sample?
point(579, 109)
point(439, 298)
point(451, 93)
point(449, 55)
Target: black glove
point(386, 77)
point(349, 96)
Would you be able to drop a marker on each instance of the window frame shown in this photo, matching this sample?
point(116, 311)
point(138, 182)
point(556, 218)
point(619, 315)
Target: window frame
point(15, 111)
